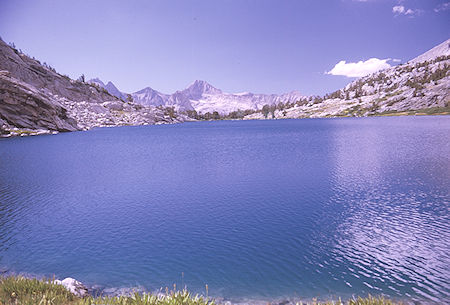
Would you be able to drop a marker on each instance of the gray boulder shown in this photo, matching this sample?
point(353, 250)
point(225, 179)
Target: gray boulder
point(74, 286)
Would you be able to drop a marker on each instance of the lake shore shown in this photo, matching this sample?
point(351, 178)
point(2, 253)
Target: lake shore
point(25, 289)
point(23, 132)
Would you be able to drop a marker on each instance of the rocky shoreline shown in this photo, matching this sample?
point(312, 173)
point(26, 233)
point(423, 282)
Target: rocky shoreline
point(82, 290)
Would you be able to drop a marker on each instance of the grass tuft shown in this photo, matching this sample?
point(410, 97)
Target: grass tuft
point(23, 291)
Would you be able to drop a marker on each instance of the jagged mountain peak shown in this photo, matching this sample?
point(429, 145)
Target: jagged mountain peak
point(110, 84)
point(149, 96)
point(200, 87)
point(148, 90)
point(97, 81)
point(199, 82)
point(110, 87)
point(115, 91)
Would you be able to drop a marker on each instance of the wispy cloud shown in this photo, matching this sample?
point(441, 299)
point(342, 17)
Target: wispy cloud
point(442, 7)
point(402, 10)
point(360, 68)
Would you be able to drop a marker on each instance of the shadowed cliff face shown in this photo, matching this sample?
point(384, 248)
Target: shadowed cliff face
point(23, 106)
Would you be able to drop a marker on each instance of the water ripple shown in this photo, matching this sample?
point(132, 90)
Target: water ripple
point(310, 208)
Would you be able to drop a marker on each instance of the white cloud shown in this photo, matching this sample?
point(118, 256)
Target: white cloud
point(396, 60)
point(360, 68)
point(401, 10)
point(442, 7)
point(398, 9)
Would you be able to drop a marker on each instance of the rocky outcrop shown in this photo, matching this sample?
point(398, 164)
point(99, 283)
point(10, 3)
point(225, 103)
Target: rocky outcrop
point(26, 110)
point(74, 286)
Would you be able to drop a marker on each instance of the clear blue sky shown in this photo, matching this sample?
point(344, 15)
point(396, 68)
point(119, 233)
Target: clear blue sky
point(259, 46)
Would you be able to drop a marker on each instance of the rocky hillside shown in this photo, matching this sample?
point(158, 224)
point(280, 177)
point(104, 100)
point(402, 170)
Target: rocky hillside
point(420, 86)
point(35, 99)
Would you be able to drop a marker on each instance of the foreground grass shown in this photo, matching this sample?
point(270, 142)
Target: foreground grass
point(18, 290)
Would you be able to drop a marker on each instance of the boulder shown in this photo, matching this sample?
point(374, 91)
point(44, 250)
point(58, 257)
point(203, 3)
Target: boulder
point(75, 287)
point(113, 105)
point(97, 108)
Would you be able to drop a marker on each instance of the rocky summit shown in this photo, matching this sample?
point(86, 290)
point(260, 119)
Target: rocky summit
point(35, 99)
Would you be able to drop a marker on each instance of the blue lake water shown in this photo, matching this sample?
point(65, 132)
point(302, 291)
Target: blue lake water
point(255, 209)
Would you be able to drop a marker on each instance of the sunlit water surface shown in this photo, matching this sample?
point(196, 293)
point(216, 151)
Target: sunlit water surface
point(255, 209)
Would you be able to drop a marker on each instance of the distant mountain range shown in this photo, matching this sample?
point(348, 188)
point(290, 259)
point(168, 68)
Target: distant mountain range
point(202, 97)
